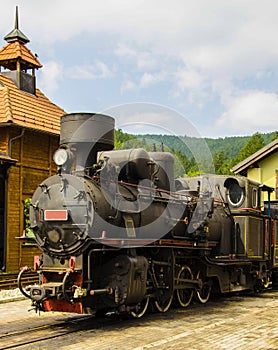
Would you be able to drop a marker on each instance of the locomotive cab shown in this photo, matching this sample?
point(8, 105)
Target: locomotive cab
point(238, 210)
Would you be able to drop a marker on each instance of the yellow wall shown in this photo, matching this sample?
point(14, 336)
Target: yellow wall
point(255, 174)
point(266, 173)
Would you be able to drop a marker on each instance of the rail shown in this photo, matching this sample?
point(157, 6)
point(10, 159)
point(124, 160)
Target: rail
point(9, 281)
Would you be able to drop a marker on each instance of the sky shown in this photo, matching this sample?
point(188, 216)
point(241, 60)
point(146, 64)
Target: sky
point(202, 67)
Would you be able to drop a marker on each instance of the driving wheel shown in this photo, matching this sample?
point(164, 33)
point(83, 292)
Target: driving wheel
point(203, 293)
point(140, 308)
point(184, 295)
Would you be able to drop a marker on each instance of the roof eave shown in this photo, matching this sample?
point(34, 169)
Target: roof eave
point(7, 159)
point(256, 157)
point(12, 124)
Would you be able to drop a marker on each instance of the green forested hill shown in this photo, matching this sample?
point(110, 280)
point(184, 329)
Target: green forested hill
point(226, 152)
point(188, 145)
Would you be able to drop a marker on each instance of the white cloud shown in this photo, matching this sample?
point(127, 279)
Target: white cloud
point(148, 79)
point(127, 85)
point(99, 70)
point(51, 75)
point(143, 59)
point(250, 112)
point(145, 81)
point(204, 50)
point(151, 118)
point(189, 79)
point(209, 34)
point(213, 36)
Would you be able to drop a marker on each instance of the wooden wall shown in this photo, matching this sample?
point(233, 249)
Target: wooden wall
point(3, 141)
point(34, 152)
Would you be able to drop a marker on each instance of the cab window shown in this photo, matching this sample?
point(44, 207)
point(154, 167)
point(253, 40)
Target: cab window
point(235, 194)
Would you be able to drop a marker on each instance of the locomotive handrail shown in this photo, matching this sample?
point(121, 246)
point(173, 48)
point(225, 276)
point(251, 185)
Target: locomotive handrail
point(226, 262)
point(154, 189)
point(250, 212)
point(64, 286)
point(23, 270)
point(250, 209)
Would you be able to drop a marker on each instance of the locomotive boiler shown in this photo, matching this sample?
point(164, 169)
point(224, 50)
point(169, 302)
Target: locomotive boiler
point(118, 231)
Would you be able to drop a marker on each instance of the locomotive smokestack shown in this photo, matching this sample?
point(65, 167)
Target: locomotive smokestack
point(86, 134)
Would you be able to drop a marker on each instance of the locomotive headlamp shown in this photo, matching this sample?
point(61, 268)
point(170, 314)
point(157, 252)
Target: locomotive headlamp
point(54, 235)
point(61, 156)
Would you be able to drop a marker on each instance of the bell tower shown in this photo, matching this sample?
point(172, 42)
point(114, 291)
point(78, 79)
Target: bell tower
point(18, 62)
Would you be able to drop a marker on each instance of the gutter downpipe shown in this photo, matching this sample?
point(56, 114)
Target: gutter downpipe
point(13, 139)
point(6, 198)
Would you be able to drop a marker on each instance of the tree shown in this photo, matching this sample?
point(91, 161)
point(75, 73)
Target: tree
point(275, 136)
point(255, 143)
point(222, 163)
point(121, 138)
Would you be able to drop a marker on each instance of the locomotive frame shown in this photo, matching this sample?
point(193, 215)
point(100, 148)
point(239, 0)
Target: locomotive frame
point(118, 232)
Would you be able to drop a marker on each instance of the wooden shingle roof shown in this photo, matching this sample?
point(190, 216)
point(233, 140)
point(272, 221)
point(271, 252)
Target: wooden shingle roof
point(20, 103)
point(28, 110)
point(16, 50)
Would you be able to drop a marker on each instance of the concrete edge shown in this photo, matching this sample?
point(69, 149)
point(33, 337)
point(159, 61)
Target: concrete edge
point(10, 299)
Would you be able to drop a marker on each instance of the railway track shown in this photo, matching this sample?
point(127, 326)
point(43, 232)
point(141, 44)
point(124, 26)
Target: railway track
point(9, 281)
point(40, 333)
point(31, 335)
point(48, 331)
point(234, 322)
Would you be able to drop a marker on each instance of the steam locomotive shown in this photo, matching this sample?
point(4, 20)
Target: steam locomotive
point(117, 231)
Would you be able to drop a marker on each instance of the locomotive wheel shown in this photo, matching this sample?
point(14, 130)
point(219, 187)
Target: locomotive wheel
point(184, 296)
point(141, 308)
point(203, 293)
point(164, 301)
point(266, 282)
point(164, 281)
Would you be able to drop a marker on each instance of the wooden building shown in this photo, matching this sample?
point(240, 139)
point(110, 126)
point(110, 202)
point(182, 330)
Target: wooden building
point(29, 135)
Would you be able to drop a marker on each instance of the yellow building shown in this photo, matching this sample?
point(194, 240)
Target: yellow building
point(262, 166)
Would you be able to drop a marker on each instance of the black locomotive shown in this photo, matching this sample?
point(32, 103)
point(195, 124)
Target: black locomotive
point(118, 231)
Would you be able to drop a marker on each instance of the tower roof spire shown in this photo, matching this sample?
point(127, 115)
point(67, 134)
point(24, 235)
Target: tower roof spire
point(16, 34)
point(15, 55)
point(16, 18)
